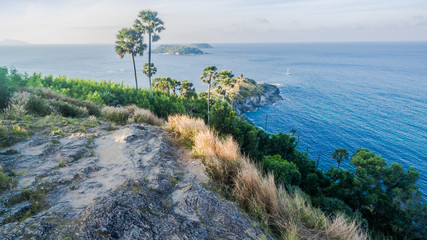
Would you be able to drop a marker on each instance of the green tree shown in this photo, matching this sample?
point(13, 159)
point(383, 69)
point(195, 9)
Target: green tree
point(339, 154)
point(210, 76)
point(162, 84)
point(174, 84)
point(285, 173)
point(150, 23)
point(130, 42)
point(186, 89)
point(149, 72)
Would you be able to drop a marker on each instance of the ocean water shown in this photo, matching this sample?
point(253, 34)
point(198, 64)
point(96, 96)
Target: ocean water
point(351, 95)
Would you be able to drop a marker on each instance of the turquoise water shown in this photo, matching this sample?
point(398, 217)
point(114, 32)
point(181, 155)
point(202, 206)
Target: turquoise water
point(351, 95)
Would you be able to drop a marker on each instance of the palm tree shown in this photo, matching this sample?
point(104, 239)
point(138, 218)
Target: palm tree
point(339, 154)
point(292, 132)
point(130, 42)
point(174, 84)
point(225, 77)
point(162, 84)
point(149, 72)
point(210, 76)
point(186, 89)
point(148, 22)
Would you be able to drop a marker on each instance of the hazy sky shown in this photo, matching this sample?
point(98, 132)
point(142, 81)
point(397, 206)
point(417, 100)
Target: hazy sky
point(214, 21)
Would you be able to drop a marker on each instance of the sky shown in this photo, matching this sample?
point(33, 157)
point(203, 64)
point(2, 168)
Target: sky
point(216, 21)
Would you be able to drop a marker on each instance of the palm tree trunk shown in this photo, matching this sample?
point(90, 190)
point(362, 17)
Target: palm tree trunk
point(134, 72)
point(149, 62)
point(209, 97)
point(339, 164)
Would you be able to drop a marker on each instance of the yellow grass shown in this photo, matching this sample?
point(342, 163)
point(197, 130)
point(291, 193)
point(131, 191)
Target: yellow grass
point(341, 229)
point(254, 192)
point(185, 127)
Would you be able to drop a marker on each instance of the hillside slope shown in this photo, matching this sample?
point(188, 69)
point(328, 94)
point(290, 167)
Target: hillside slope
point(113, 183)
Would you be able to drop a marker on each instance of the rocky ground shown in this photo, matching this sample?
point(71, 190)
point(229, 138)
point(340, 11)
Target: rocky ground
point(270, 96)
point(113, 183)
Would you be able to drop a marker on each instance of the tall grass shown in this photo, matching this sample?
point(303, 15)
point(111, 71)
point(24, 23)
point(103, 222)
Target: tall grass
point(289, 215)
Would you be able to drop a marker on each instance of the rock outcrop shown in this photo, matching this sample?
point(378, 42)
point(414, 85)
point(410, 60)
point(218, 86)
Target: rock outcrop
point(127, 183)
point(270, 96)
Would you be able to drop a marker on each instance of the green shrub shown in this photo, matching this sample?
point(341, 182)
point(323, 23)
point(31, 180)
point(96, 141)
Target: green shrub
point(68, 110)
point(38, 106)
point(5, 181)
point(115, 114)
point(92, 108)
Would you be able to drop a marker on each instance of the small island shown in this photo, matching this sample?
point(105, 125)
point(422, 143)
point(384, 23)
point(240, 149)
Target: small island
point(177, 50)
point(201, 45)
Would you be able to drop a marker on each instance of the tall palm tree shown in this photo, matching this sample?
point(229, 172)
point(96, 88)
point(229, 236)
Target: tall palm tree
point(130, 42)
point(339, 154)
point(148, 22)
point(210, 76)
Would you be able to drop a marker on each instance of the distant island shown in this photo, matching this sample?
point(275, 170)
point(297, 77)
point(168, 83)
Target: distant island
point(200, 45)
point(175, 49)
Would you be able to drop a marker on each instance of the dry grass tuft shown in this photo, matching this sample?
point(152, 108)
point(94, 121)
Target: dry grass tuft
point(205, 143)
point(140, 115)
point(185, 127)
point(341, 229)
point(228, 150)
point(255, 193)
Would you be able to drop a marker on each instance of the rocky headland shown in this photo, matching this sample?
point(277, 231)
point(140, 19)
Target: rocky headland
point(269, 96)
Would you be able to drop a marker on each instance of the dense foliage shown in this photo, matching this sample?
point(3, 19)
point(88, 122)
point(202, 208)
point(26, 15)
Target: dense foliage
point(384, 197)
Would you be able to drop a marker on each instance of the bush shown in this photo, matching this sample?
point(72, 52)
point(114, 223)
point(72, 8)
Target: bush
point(39, 106)
point(115, 114)
point(67, 110)
point(139, 115)
point(18, 104)
point(5, 181)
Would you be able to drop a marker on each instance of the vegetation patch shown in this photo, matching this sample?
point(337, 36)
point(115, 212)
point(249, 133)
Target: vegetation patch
point(280, 212)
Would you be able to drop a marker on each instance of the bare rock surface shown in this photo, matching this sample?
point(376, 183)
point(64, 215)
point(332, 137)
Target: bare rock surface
point(131, 183)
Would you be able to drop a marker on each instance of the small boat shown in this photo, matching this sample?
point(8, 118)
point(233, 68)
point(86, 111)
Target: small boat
point(287, 72)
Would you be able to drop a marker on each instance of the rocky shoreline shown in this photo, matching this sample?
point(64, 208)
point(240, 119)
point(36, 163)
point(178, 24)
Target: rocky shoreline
point(270, 96)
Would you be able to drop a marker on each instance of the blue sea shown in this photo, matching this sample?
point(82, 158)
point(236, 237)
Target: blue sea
point(351, 95)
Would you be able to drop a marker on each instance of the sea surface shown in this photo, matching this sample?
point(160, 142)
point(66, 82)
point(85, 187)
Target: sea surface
point(351, 95)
